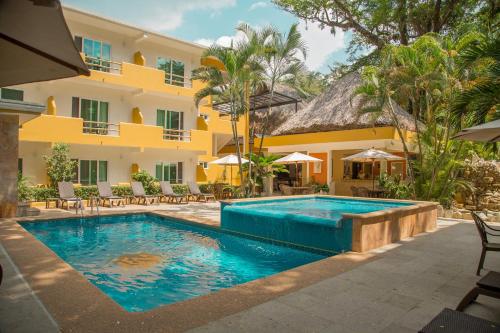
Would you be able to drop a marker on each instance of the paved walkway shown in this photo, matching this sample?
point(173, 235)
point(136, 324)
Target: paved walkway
point(400, 292)
point(20, 309)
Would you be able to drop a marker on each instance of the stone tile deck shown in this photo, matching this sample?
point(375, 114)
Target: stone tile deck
point(406, 285)
point(400, 292)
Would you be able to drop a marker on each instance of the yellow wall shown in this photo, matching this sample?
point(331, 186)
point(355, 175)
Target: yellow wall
point(334, 136)
point(70, 130)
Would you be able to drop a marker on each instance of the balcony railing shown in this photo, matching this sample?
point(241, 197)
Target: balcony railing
point(176, 135)
point(100, 128)
point(102, 65)
point(178, 80)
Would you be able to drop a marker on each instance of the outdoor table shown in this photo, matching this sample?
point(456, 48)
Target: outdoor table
point(376, 193)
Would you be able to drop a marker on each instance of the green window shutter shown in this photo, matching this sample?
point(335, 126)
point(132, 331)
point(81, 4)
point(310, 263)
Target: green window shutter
point(75, 107)
point(103, 171)
point(179, 172)
point(173, 172)
point(103, 111)
point(84, 172)
point(160, 118)
point(12, 94)
point(20, 166)
point(181, 121)
point(159, 171)
point(86, 109)
point(166, 174)
point(75, 171)
point(93, 172)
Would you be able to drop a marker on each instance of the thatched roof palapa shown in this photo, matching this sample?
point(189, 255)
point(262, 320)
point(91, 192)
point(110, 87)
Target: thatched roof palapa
point(338, 108)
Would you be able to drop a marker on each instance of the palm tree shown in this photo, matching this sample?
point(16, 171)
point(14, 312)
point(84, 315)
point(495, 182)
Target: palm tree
point(228, 83)
point(479, 63)
point(279, 55)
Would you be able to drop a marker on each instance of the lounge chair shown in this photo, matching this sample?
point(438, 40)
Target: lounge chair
point(197, 194)
point(489, 285)
point(450, 321)
point(106, 194)
point(67, 195)
point(140, 194)
point(168, 193)
point(363, 192)
point(485, 230)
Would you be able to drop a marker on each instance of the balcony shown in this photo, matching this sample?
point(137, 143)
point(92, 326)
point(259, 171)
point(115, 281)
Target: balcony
point(50, 129)
point(142, 79)
point(176, 135)
point(100, 128)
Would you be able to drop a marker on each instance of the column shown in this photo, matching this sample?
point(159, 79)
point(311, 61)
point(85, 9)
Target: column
point(9, 150)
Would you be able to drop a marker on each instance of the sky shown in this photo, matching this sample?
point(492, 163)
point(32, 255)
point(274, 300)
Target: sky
point(208, 21)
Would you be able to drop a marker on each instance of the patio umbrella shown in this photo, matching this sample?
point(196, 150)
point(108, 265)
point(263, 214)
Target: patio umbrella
point(488, 132)
point(296, 158)
point(36, 43)
point(372, 155)
point(229, 160)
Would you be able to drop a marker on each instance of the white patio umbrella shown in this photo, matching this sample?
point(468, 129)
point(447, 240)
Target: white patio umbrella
point(229, 160)
point(488, 132)
point(372, 155)
point(35, 43)
point(296, 158)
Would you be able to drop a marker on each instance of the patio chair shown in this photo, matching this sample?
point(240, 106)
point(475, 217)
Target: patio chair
point(168, 193)
point(363, 192)
point(195, 192)
point(450, 321)
point(286, 190)
point(355, 192)
point(140, 194)
point(489, 285)
point(485, 230)
point(105, 193)
point(67, 195)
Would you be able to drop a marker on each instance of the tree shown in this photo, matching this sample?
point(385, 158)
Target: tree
point(479, 63)
point(377, 23)
point(424, 79)
point(228, 83)
point(60, 167)
point(279, 56)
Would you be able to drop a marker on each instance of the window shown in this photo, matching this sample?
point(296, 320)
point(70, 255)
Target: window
point(91, 171)
point(174, 71)
point(204, 165)
point(397, 168)
point(94, 114)
point(20, 166)
point(12, 94)
point(171, 172)
point(97, 53)
point(358, 170)
point(172, 123)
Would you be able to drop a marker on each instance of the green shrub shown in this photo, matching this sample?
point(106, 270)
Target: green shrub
point(42, 193)
point(121, 190)
point(23, 190)
point(60, 167)
point(148, 181)
point(85, 192)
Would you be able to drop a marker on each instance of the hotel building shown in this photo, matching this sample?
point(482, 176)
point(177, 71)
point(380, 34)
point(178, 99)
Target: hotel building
point(134, 112)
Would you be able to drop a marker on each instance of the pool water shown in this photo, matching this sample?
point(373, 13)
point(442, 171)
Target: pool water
point(143, 261)
point(313, 222)
point(319, 208)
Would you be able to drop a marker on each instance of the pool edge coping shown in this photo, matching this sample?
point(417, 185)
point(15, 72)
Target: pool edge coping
point(103, 313)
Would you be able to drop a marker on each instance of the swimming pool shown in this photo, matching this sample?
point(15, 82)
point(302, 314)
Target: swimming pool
point(143, 261)
point(317, 222)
